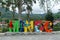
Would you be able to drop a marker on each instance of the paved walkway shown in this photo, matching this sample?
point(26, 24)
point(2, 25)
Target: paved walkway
point(41, 36)
point(32, 37)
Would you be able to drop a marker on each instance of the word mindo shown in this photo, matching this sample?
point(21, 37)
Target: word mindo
point(32, 26)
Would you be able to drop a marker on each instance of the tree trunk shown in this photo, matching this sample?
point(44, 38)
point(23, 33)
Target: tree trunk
point(13, 14)
point(28, 15)
point(20, 8)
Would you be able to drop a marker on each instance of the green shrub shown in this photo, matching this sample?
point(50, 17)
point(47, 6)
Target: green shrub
point(57, 27)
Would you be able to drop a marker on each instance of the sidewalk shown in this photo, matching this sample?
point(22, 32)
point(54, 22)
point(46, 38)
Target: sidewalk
point(28, 33)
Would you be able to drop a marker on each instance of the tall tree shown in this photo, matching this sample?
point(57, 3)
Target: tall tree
point(29, 9)
point(48, 4)
point(18, 4)
point(49, 17)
